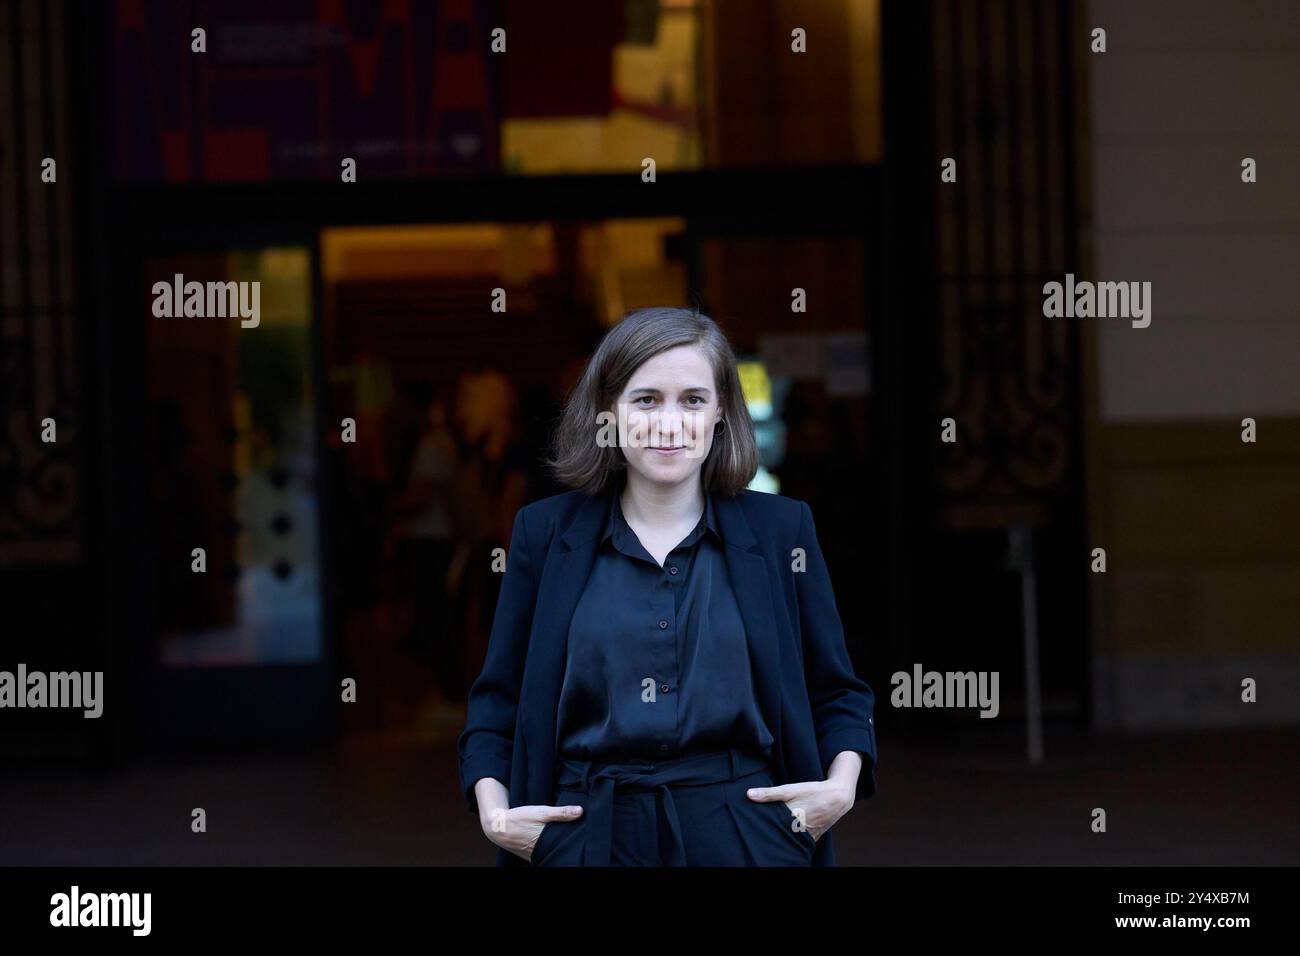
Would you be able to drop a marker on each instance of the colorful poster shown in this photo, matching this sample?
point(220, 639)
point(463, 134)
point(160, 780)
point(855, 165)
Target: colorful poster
point(249, 91)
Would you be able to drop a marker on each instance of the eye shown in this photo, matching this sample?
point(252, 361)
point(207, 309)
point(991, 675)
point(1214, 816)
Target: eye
point(644, 398)
point(697, 398)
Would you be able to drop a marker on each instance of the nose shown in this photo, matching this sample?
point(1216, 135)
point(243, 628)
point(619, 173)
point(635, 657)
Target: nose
point(669, 425)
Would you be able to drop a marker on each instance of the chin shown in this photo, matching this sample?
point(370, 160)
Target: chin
point(665, 474)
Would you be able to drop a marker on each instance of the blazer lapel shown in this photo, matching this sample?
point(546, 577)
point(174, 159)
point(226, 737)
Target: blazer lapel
point(563, 580)
point(754, 591)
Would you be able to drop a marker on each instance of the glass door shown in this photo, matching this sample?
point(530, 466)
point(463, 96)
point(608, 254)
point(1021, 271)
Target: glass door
point(233, 530)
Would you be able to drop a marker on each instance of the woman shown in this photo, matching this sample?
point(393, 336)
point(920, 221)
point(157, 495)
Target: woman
point(666, 681)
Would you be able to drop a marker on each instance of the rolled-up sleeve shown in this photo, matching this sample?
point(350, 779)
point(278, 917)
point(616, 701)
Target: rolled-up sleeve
point(843, 705)
point(486, 745)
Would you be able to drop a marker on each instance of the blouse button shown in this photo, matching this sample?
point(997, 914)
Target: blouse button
point(664, 688)
point(662, 625)
point(672, 570)
point(663, 748)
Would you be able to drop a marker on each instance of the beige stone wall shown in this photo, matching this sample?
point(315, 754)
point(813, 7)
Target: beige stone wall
point(1202, 531)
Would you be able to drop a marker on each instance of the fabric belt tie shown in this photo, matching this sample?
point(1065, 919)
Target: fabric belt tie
point(601, 780)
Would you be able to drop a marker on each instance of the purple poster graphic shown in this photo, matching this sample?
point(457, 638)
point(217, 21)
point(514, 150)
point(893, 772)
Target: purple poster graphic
point(287, 90)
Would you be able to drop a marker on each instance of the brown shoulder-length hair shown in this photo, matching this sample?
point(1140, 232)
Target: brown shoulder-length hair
point(579, 461)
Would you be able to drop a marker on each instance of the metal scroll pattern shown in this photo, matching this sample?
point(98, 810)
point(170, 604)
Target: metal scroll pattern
point(1007, 375)
point(39, 510)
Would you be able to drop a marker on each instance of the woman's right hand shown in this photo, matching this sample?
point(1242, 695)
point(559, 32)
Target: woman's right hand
point(519, 828)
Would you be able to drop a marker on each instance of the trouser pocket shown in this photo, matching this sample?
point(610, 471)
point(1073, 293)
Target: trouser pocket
point(540, 847)
point(791, 826)
point(558, 832)
point(770, 829)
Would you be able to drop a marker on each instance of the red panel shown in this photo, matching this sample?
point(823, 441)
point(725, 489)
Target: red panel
point(365, 64)
point(175, 147)
point(235, 154)
point(560, 65)
point(130, 14)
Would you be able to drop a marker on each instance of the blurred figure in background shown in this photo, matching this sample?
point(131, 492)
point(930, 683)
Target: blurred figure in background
point(542, 408)
point(371, 400)
point(491, 485)
point(184, 599)
point(426, 545)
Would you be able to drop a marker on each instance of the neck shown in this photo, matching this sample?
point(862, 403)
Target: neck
point(652, 503)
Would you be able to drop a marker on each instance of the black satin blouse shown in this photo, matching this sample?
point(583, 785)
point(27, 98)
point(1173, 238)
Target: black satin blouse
point(658, 665)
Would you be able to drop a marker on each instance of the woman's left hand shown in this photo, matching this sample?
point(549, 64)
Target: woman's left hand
point(819, 803)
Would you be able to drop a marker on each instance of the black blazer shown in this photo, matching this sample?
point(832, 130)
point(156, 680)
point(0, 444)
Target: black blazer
point(809, 696)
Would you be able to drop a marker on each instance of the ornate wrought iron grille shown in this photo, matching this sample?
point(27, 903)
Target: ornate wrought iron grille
point(39, 507)
point(1007, 375)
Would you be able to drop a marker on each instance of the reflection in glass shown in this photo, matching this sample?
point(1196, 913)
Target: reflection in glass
point(234, 469)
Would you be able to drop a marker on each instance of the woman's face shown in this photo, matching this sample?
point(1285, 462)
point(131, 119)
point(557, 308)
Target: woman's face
point(666, 415)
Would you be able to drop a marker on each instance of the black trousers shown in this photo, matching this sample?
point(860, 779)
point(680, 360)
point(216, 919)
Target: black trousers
point(691, 811)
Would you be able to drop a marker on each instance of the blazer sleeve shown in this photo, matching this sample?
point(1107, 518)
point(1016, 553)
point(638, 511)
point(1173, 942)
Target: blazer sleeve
point(842, 704)
point(486, 745)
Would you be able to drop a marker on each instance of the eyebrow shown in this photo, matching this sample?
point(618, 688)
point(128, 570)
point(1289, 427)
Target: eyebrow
point(655, 391)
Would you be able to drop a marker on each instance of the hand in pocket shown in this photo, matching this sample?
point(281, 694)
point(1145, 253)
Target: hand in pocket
point(818, 803)
point(519, 828)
